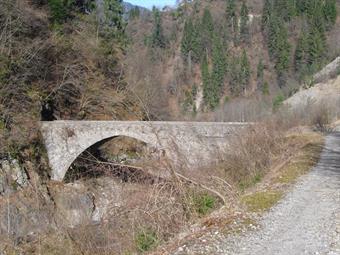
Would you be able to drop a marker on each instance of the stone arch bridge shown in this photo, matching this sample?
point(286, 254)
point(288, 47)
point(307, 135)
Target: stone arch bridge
point(196, 142)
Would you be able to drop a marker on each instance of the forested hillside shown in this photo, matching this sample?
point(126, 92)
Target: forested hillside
point(226, 50)
point(60, 60)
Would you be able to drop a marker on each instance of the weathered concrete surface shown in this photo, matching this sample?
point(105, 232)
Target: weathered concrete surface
point(191, 142)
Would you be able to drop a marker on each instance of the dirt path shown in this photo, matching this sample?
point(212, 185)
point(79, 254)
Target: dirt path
point(306, 221)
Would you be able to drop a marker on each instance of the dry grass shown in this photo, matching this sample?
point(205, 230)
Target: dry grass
point(261, 201)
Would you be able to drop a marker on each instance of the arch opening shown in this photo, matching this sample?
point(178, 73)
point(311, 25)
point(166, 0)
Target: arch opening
point(120, 157)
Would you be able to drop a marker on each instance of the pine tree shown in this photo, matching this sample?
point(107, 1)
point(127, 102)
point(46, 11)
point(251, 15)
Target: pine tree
point(244, 71)
point(134, 13)
point(244, 28)
point(234, 75)
point(301, 6)
point(157, 37)
point(278, 46)
point(330, 12)
point(285, 8)
point(232, 21)
point(206, 80)
point(266, 13)
point(282, 50)
point(302, 54)
point(113, 12)
point(190, 45)
point(60, 10)
point(231, 15)
point(218, 71)
point(260, 74)
point(317, 49)
point(207, 30)
point(236, 38)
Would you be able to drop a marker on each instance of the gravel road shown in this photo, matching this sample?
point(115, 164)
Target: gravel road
point(306, 221)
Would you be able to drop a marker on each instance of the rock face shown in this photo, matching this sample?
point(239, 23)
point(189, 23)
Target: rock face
point(12, 176)
point(328, 72)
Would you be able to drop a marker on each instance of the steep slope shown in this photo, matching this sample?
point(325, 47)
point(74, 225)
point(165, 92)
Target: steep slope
point(56, 63)
point(253, 63)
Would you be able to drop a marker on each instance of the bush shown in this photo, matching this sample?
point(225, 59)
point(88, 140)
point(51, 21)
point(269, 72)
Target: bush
point(277, 102)
point(204, 203)
point(60, 10)
point(146, 240)
point(321, 119)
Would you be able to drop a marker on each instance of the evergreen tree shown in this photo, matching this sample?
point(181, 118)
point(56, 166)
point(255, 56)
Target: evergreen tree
point(60, 10)
point(244, 71)
point(232, 21)
point(315, 14)
point(330, 12)
point(282, 50)
point(157, 37)
point(260, 74)
point(236, 38)
point(190, 45)
point(278, 45)
point(244, 28)
point(285, 8)
point(231, 15)
point(234, 76)
point(266, 13)
point(113, 15)
point(302, 54)
point(134, 13)
point(301, 6)
point(206, 80)
point(317, 49)
point(218, 71)
point(207, 30)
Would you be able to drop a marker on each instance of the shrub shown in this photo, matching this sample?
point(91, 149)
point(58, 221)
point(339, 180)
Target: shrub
point(277, 102)
point(146, 240)
point(60, 10)
point(321, 119)
point(203, 203)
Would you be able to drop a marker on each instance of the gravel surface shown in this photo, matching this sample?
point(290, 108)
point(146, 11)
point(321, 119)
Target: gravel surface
point(306, 221)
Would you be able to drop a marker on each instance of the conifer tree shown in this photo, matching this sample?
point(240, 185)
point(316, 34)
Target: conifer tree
point(302, 54)
point(317, 48)
point(260, 74)
point(244, 71)
point(234, 75)
point(157, 37)
point(278, 45)
point(266, 13)
point(330, 12)
point(244, 28)
point(60, 9)
point(285, 8)
point(206, 80)
point(134, 13)
point(218, 71)
point(301, 6)
point(207, 30)
point(190, 45)
point(113, 15)
point(231, 15)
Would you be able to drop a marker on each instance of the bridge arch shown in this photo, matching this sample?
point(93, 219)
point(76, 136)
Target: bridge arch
point(194, 141)
point(106, 150)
